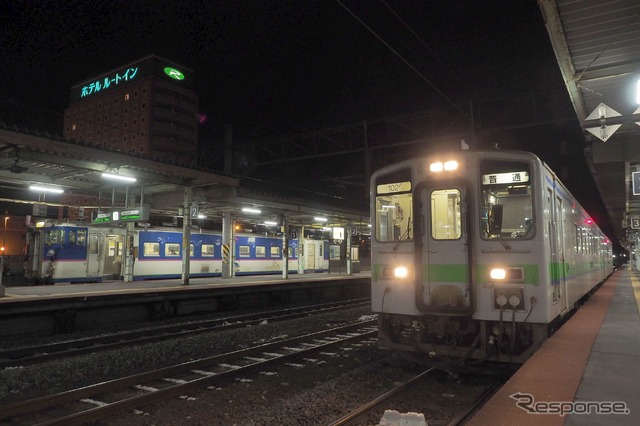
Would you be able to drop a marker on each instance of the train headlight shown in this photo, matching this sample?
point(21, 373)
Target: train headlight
point(498, 274)
point(439, 166)
point(401, 272)
point(451, 165)
point(436, 167)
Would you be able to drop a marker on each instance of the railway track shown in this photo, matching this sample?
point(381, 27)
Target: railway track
point(41, 353)
point(95, 402)
point(375, 407)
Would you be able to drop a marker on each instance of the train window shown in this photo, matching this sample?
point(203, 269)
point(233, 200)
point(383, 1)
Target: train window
point(171, 249)
point(393, 206)
point(445, 214)
point(244, 251)
point(151, 249)
point(292, 252)
point(192, 249)
point(54, 236)
point(355, 253)
point(506, 200)
point(275, 251)
point(81, 237)
point(207, 250)
point(260, 251)
point(72, 237)
point(93, 244)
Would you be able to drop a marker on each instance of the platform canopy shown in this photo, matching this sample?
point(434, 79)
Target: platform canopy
point(597, 46)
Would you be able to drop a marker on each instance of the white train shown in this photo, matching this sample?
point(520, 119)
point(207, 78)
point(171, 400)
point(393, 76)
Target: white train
point(478, 255)
point(85, 253)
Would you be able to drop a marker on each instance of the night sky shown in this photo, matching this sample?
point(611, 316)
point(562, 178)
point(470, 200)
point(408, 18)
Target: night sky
point(281, 67)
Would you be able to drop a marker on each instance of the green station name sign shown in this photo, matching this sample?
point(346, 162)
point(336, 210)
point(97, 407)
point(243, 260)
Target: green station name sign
point(139, 214)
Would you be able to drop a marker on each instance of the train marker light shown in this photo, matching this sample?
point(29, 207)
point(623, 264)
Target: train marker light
point(498, 273)
point(401, 272)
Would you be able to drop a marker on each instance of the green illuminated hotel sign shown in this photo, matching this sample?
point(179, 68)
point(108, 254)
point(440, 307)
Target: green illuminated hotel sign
point(139, 214)
point(132, 74)
point(174, 73)
point(104, 83)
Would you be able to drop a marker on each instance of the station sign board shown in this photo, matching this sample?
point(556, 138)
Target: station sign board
point(134, 214)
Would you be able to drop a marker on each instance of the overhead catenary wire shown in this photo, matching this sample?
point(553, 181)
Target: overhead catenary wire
point(409, 64)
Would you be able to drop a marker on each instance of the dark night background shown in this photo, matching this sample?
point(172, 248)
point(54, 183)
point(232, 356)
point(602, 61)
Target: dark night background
point(276, 67)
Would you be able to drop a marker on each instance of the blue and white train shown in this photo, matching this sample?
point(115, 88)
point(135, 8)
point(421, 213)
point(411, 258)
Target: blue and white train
point(478, 255)
point(81, 253)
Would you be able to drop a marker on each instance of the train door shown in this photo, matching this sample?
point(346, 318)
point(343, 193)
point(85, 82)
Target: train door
point(114, 251)
point(560, 258)
point(445, 250)
point(310, 258)
point(93, 256)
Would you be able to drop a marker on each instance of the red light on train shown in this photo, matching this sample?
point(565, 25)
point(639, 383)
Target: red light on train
point(588, 221)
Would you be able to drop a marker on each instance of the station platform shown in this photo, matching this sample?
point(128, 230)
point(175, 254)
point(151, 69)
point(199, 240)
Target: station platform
point(61, 290)
point(587, 373)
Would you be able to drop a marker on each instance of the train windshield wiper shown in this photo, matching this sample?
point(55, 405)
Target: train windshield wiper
point(404, 236)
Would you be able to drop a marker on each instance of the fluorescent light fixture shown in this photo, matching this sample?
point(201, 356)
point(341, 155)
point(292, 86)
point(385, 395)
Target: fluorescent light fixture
point(250, 210)
point(201, 216)
point(118, 177)
point(388, 207)
point(46, 189)
point(270, 223)
point(326, 228)
point(320, 219)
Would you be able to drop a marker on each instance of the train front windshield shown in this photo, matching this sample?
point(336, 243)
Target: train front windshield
point(506, 200)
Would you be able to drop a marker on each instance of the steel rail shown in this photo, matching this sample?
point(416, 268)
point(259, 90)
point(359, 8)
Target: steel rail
point(359, 331)
point(42, 353)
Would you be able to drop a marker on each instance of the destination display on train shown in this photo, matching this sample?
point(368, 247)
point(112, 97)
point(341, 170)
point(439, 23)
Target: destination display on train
point(138, 214)
point(503, 178)
point(391, 188)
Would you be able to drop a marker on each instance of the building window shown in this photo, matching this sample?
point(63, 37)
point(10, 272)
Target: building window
point(133, 136)
point(142, 134)
point(126, 110)
point(141, 148)
point(125, 125)
point(135, 121)
point(126, 96)
point(115, 113)
point(144, 105)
